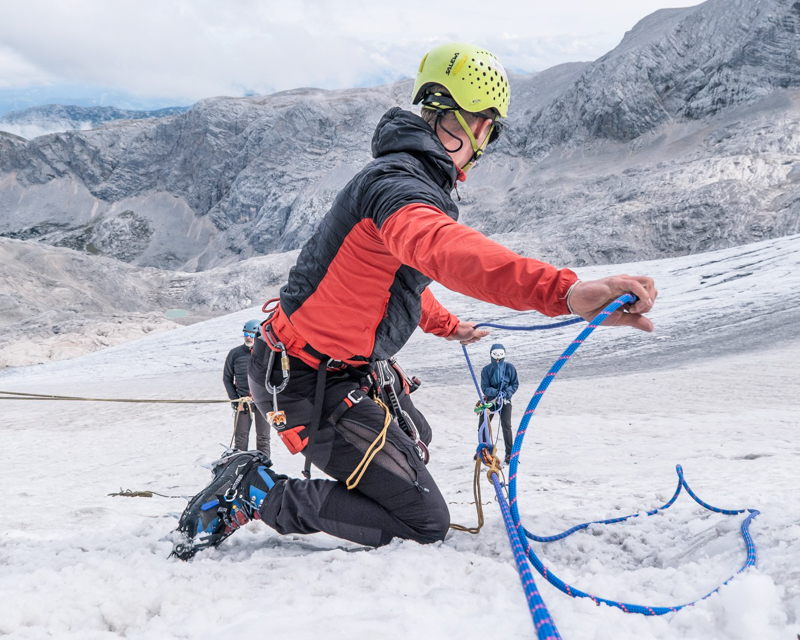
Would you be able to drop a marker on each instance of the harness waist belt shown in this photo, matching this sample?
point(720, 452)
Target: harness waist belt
point(298, 346)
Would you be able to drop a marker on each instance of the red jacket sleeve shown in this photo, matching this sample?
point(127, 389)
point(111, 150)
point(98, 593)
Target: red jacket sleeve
point(435, 318)
point(464, 260)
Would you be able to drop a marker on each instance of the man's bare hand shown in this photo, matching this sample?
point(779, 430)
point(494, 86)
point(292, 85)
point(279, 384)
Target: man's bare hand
point(591, 297)
point(467, 333)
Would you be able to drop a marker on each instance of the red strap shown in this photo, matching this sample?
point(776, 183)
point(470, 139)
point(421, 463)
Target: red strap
point(266, 309)
point(291, 438)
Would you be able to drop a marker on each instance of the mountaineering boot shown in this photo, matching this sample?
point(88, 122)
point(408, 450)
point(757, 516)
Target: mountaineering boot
point(241, 482)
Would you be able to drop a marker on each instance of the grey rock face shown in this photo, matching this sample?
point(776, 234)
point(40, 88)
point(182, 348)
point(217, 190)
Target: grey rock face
point(676, 64)
point(249, 176)
point(125, 236)
point(688, 187)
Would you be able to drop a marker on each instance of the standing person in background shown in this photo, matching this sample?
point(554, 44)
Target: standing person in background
point(234, 376)
point(499, 382)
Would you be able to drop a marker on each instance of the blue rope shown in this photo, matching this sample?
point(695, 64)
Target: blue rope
point(545, 627)
point(542, 621)
point(634, 608)
point(484, 439)
point(521, 535)
point(538, 327)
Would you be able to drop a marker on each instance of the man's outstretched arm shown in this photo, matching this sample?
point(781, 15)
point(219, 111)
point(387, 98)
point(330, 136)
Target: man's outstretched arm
point(466, 261)
point(440, 322)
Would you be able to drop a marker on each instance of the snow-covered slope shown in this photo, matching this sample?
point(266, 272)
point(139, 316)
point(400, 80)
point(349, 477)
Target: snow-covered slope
point(713, 388)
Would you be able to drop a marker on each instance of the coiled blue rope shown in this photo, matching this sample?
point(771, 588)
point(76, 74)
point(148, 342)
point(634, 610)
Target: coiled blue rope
point(519, 535)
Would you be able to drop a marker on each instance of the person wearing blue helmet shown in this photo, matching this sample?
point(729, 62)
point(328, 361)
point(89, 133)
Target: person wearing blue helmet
point(234, 376)
point(499, 382)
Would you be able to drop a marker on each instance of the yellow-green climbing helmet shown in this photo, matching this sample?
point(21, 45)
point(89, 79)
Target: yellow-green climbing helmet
point(473, 76)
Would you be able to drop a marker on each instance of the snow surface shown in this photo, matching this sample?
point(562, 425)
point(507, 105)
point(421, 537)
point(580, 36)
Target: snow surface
point(714, 388)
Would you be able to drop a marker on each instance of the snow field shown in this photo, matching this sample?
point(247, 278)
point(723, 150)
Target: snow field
point(604, 443)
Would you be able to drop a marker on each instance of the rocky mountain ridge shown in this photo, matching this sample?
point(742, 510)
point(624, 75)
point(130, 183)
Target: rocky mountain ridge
point(705, 90)
point(676, 65)
point(57, 303)
point(52, 118)
point(683, 139)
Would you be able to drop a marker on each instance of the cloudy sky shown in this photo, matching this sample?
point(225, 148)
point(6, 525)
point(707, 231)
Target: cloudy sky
point(177, 51)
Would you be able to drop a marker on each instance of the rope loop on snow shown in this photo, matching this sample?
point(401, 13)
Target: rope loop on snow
point(476, 492)
point(519, 536)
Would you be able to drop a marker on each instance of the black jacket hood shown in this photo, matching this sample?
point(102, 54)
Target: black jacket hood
point(401, 131)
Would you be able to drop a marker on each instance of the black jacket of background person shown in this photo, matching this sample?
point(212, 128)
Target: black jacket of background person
point(235, 373)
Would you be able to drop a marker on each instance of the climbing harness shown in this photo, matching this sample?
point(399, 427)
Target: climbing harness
point(524, 555)
point(376, 379)
point(243, 404)
point(411, 383)
point(384, 386)
point(277, 418)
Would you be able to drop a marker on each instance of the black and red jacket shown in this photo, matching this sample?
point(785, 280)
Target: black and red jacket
point(359, 288)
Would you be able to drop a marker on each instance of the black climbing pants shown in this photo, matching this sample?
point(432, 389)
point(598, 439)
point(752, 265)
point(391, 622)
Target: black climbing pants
point(505, 425)
point(241, 430)
point(396, 496)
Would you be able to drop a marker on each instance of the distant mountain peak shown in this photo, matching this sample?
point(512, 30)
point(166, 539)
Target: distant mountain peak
point(684, 138)
point(677, 64)
point(54, 118)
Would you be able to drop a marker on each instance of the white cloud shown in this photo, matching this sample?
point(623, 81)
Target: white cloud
point(16, 71)
point(199, 48)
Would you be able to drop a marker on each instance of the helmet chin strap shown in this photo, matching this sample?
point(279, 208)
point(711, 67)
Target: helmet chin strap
point(477, 150)
point(438, 125)
point(443, 104)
